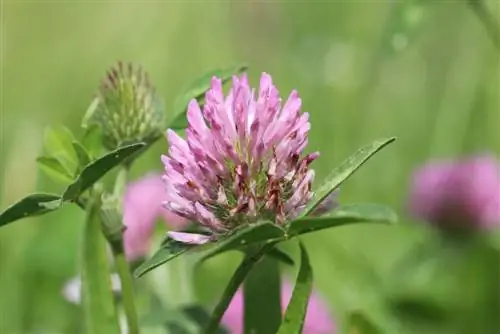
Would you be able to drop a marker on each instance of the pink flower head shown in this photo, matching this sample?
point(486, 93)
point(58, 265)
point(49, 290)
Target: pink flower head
point(241, 161)
point(458, 194)
point(141, 208)
point(317, 321)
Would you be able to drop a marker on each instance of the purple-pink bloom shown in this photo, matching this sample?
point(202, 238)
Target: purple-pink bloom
point(318, 319)
point(242, 158)
point(458, 194)
point(142, 206)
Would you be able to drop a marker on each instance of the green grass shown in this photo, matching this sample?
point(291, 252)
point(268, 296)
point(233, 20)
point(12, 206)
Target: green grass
point(439, 96)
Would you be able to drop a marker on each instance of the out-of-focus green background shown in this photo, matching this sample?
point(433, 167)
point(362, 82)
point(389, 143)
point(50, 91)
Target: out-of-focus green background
point(424, 71)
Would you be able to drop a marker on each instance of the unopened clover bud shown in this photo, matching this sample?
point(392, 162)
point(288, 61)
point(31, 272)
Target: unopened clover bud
point(126, 107)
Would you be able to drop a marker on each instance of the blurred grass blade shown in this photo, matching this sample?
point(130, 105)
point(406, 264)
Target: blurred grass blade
point(358, 323)
point(418, 309)
point(345, 215)
point(97, 294)
point(244, 237)
point(488, 20)
point(89, 114)
point(169, 250)
point(31, 205)
point(405, 22)
point(97, 169)
point(295, 314)
point(262, 298)
point(344, 171)
point(234, 283)
point(196, 90)
point(54, 169)
point(57, 142)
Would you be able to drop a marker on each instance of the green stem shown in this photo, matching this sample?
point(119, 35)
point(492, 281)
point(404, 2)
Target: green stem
point(127, 285)
point(121, 181)
point(234, 283)
point(127, 282)
point(262, 298)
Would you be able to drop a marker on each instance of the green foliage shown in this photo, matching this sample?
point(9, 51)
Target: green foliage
point(344, 171)
point(97, 295)
point(97, 169)
point(344, 215)
point(169, 250)
point(31, 205)
point(82, 154)
point(271, 234)
point(359, 323)
point(38, 204)
point(237, 278)
point(297, 308)
point(91, 140)
point(281, 255)
point(55, 169)
point(58, 144)
point(262, 298)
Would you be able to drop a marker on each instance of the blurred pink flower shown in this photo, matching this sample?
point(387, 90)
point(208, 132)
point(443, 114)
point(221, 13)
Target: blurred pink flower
point(458, 194)
point(317, 321)
point(142, 206)
point(242, 159)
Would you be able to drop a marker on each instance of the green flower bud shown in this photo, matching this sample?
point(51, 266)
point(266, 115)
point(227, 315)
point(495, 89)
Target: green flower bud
point(127, 108)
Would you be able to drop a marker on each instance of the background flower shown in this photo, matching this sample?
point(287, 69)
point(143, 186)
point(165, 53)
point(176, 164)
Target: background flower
point(458, 194)
point(142, 206)
point(318, 319)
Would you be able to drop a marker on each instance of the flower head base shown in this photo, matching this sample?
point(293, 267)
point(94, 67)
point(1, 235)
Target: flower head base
point(242, 160)
point(127, 108)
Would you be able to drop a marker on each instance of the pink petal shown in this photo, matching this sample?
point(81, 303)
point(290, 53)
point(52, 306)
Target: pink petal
point(189, 238)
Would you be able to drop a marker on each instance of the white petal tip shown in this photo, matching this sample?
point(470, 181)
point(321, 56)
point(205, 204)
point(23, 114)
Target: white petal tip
point(189, 238)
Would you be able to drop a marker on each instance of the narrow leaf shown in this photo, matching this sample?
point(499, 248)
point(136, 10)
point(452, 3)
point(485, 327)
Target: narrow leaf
point(297, 307)
point(262, 298)
point(54, 169)
point(97, 169)
point(31, 205)
point(81, 153)
point(231, 288)
point(98, 299)
point(281, 256)
point(344, 171)
point(196, 90)
point(345, 215)
point(169, 250)
point(57, 142)
point(247, 236)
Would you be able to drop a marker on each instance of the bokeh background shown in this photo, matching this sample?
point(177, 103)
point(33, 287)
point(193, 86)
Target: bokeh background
point(424, 71)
